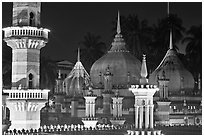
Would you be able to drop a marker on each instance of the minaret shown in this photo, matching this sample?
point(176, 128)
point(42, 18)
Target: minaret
point(26, 38)
point(144, 107)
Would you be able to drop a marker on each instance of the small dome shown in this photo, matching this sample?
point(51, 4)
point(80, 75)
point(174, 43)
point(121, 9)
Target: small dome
point(124, 66)
point(179, 77)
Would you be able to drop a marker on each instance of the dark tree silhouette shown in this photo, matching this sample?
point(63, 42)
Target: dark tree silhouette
point(92, 49)
point(48, 72)
point(160, 42)
point(194, 49)
point(137, 34)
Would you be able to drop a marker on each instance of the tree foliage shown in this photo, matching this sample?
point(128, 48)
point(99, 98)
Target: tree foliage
point(92, 49)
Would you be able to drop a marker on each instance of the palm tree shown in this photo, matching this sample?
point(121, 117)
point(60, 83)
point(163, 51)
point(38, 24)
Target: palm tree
point(160, 42)
point(92, 49)
point(194, 49)
point(48, 72)
point(137, 34)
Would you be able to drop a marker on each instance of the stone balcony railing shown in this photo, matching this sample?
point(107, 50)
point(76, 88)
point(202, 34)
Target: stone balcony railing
point(27, 94)
point(26, 31)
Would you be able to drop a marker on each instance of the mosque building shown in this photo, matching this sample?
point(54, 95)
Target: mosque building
point(113, 74)
point(101, 96)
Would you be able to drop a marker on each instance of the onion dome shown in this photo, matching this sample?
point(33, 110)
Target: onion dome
point(124, 66)
point(180, 79)
point(77, 80)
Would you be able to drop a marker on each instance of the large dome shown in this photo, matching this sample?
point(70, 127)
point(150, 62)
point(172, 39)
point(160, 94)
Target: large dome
point(180, 79)
point(124, 66)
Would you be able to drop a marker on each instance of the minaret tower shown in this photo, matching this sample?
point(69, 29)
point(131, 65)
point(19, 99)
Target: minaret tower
point(26, 38)
point(144, 107)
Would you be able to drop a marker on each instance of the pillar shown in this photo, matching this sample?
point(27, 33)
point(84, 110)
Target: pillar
point(136, 116)
point(141, 117)
point(146, 116)
point(117, 106)
point(90, 106)
point(87, 108)
point(120, 111)
point(93, 108)
point(151, 116)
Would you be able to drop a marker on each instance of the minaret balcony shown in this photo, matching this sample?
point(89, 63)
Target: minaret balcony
point(26, 31)
point(27, 94)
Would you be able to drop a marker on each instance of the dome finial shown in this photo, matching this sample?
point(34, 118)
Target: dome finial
point(78, 55)
point(170, 41)
point(118, 24)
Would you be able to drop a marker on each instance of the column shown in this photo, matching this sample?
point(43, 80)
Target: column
point(117, 108)
point(90, 108)
point(4, 112)
point(141, 117)
point(147, 116)
point(164, 94)
point(114, 107)
point(93, 108)
point(87, 108)
point(151, 116)
point(120, 109)
point(136, 116)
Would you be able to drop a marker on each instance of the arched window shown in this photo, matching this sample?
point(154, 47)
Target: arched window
point(30, 81)
point(31, 19)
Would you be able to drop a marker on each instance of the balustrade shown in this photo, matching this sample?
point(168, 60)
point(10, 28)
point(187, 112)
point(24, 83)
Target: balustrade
point(26, 31)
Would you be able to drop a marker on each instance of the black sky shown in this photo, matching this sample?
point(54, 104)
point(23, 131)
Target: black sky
point(69, 22)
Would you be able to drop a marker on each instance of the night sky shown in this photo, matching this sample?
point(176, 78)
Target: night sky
point(69, 22)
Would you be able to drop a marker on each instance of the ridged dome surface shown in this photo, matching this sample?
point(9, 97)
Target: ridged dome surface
point(77, 80)
point(124, 66)
point(179, 77)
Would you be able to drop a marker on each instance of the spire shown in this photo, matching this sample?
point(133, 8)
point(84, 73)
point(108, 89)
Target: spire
point(144, 67)
point(118, 45)
point(118, 24)
point(78, 55)
point(143, 79)
point(170, 40)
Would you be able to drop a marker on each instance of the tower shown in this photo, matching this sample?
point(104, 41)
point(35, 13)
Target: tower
point(144, 106)
point(26, 38)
